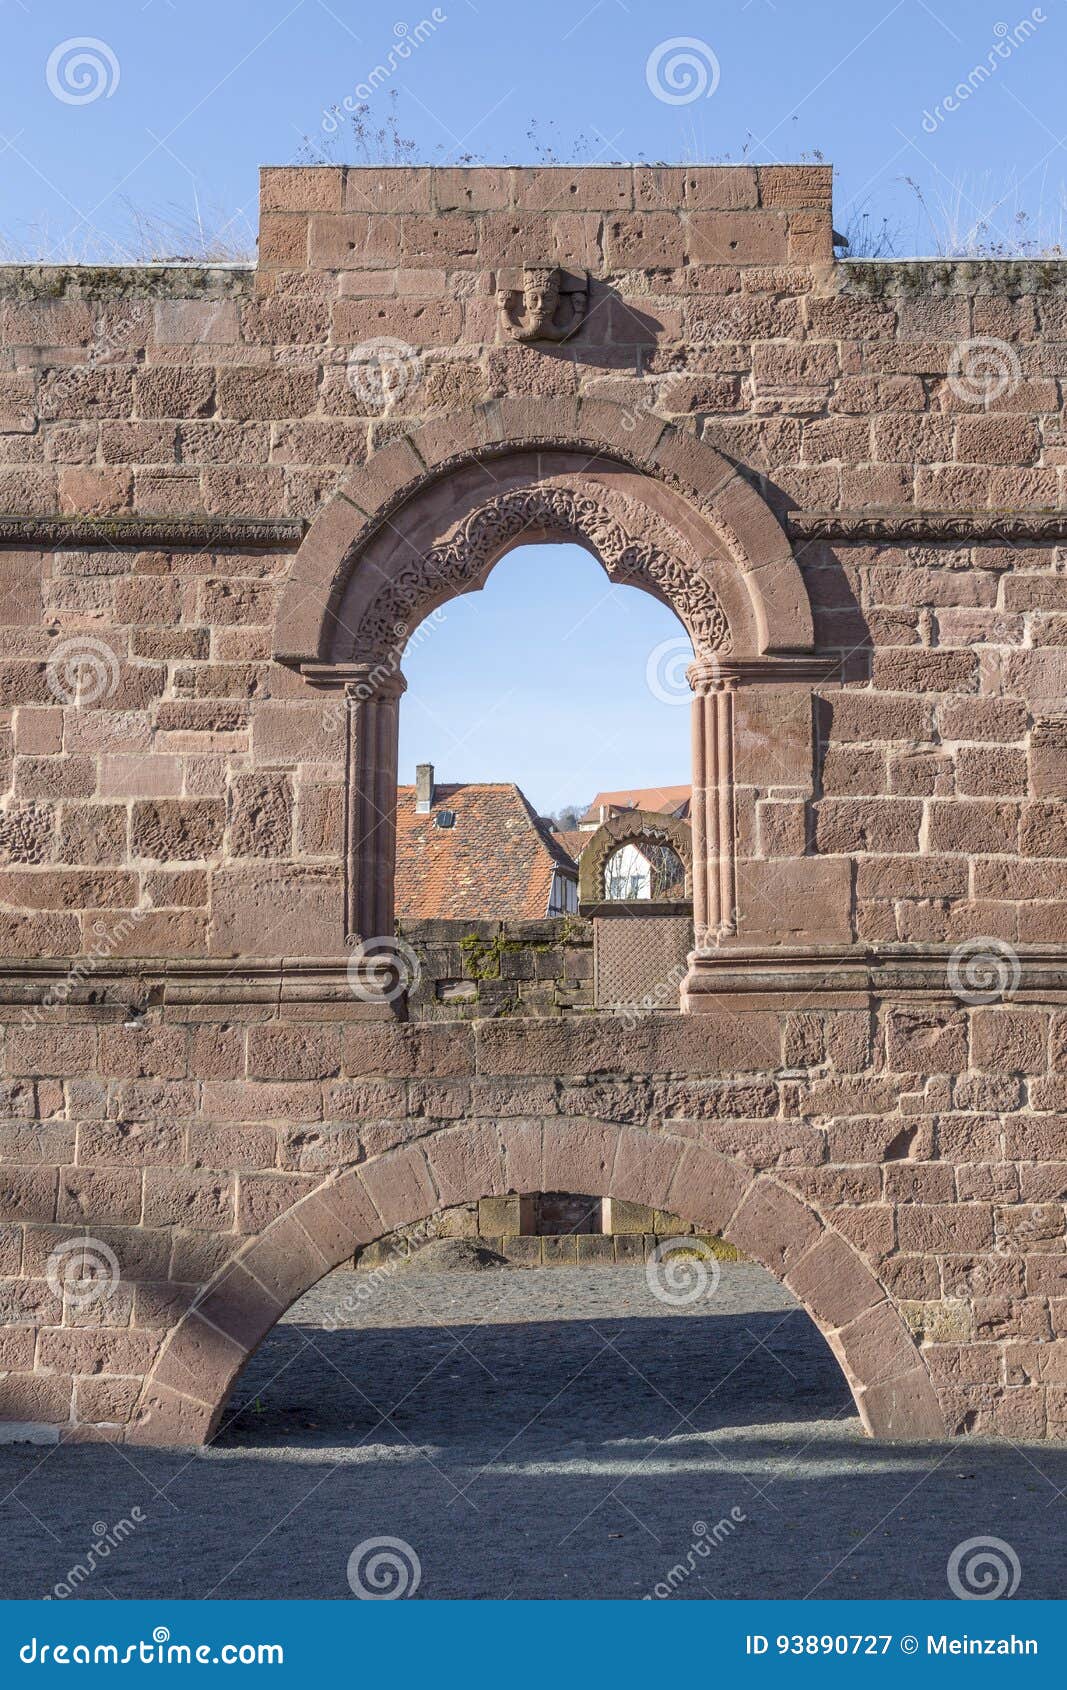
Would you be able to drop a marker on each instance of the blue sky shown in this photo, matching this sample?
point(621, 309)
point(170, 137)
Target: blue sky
point(203, 92)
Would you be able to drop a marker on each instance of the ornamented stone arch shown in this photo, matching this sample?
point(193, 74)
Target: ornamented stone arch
point(609, 527)
point(185, 1394)
point(722, 510)
point(632, 827)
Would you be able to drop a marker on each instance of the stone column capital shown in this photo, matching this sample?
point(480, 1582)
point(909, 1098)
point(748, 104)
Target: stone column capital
point(358, 681)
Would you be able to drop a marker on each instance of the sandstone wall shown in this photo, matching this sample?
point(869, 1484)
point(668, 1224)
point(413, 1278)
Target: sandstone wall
point(189, 1081)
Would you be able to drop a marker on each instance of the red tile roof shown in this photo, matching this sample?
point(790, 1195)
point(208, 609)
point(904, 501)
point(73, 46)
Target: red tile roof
point(573, 840)
point(495, 864)
point(667, 800)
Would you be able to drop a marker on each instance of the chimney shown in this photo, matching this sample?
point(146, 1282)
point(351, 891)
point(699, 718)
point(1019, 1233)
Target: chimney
point(423, 788)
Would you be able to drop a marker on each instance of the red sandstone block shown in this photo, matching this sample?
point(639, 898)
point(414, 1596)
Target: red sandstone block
point(28, 1396)
point(93, 1196)
point(448, 240)
point(249, 1100)
point(400, 1186)
point(926, 1041)
point(736, 237)
point(556, 188)
point(170, 391)
point(833, 1283)
point(283, 241)
point(774, 1226)
point(466, 1163)
point(339, 1218)
point(587, 1147)
point(482, 189)
point(355, 241)
point(972, 826)
point(644, 240)
point(1009, 1041)
point(293, 1053)
point(203, 1201)
point(16, 1348)
point(107, 1404)
point(166, 1418)
point(945, 1228)
point(251, 392)
point(997, 440)
point(706, 1188)
point(301, 188)
point(419, 323)
point(68, 889)
point(390, 189)
point(53, 1050)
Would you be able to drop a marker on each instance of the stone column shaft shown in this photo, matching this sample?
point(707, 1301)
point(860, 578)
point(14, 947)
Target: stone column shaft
point(372, 711)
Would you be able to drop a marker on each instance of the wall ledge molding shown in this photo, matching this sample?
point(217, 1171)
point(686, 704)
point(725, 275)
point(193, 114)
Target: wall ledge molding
point(128, 988)
point(158, 533)
point(902, 523)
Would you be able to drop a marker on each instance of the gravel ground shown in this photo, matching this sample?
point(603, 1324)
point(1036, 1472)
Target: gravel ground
point(550, 1433)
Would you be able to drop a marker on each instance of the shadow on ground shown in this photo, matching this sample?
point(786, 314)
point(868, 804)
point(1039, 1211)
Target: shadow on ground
point(546, 1434)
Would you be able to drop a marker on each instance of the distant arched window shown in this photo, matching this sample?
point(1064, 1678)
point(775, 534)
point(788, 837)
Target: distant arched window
point(627, 875)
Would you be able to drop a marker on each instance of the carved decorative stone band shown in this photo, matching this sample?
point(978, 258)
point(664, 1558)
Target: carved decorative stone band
point(163, 533)
point(464, 559)
point(969, 527)
point(372, 709)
